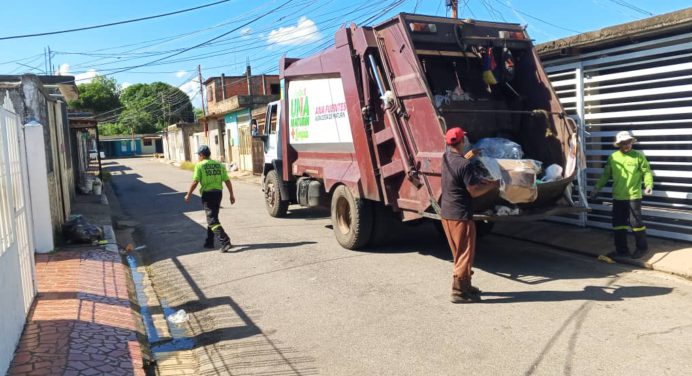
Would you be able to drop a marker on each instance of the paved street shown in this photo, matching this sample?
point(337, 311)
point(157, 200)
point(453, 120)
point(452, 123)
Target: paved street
point(291, 301)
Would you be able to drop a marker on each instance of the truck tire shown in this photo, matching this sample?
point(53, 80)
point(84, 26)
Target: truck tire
point(272, 196)
point(352, 219)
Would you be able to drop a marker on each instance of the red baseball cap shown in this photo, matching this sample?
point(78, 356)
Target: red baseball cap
point(454, 136)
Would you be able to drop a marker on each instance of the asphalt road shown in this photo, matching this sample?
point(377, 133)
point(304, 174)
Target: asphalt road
point(291, 301)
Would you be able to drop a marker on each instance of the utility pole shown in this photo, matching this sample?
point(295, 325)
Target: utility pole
point(163, 110)
point(50, 61)
point(204, 108)
point(45, 61)
point(248, 75)
point(454, 4)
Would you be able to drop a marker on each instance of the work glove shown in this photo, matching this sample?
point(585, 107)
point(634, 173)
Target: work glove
point(649, 191)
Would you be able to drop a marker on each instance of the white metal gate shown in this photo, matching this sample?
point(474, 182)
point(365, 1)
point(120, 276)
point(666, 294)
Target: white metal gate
point(15, 223)
point(644, 87)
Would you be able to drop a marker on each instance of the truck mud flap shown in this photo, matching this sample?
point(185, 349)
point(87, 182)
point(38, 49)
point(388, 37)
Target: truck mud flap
point(283, 189)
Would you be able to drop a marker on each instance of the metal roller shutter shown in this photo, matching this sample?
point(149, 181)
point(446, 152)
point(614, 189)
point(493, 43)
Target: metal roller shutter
point(644, 87)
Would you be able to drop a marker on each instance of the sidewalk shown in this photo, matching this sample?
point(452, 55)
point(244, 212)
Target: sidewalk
point(81, 322)
point(665, 255)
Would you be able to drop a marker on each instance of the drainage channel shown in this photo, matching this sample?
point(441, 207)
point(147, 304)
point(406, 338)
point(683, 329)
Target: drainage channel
point(164, 338)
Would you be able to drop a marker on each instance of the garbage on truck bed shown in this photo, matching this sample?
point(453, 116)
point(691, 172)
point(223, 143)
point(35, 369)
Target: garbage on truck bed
point(502, 148)
point(517, 177)
point(518, 183)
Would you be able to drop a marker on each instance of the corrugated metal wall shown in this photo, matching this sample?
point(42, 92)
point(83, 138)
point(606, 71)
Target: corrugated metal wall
point(644, 87)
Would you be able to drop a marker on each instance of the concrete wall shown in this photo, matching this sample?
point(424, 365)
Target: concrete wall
point(177, 141)
point(32, 104)
point(238, 85)
point(149, 149)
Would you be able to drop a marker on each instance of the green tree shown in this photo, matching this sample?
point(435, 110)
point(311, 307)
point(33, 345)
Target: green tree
point(137, 121)
point(111, 129)
point(199, 113)
point(151, 107)
point(99, 95)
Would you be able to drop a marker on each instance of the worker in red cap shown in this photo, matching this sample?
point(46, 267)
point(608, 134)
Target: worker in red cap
point(459, 186)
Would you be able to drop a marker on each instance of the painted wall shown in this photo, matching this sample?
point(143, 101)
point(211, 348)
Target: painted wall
point(149, 149)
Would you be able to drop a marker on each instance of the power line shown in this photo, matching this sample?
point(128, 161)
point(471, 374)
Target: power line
point(113, 23)
point(208, 45)
point(207, 41)
point(168, 39)
point(536, 18)
point(633, 7)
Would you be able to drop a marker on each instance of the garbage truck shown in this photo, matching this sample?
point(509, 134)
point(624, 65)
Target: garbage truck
point(359, 128)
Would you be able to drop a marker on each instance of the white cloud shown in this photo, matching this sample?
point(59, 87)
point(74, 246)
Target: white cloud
point(63, 70)
point(304, 32)
point(246, 31)
point(125, 85)
point(191, 88)
point(80, 78)
point(181, 74)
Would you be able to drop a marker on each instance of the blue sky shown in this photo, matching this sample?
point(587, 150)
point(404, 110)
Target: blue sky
point(299, 28)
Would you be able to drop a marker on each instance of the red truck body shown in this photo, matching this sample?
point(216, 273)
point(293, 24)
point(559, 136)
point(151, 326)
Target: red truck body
point(391, 161)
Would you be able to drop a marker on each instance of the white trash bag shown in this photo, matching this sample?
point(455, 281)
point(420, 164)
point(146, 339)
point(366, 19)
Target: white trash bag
point(179, 317)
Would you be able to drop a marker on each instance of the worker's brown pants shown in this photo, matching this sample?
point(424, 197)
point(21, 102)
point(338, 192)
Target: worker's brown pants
point(461, 236)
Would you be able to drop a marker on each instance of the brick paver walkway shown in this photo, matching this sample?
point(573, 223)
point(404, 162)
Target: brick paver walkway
point(80, 323)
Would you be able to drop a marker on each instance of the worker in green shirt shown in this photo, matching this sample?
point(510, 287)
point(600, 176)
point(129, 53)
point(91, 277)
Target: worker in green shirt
point(211, 175)
point(628, 169)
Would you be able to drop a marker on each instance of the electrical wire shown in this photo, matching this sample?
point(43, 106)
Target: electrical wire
point(633, 7)
point(536, 18)
point(114, 23)
point(205, 42)
point(254, 46)
point(258, 42)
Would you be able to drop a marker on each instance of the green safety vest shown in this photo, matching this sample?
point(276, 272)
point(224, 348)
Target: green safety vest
point(210, 175)
point(628, 171)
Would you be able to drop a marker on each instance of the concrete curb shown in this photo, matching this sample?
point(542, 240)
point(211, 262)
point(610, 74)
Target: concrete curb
point(665, 255)
point(109, 236)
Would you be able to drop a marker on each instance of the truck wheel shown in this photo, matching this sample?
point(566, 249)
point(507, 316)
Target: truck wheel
point(272, 196)
point(351, 219)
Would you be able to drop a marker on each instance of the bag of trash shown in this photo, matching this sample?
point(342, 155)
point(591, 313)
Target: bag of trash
point(500, 148)
point(77, 230)
point(488, 168)
point(179, 317)
point(552, 173)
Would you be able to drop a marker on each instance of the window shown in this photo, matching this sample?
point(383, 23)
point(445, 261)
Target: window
point(216, 140)
point(271, 115)
point(147, 142)
point(274, 89)
point(210, 93)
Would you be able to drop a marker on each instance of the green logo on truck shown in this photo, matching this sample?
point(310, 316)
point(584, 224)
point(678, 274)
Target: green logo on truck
point(300, 116)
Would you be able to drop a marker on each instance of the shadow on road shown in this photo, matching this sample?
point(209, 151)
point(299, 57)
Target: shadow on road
point(237, 248)
point(219, 325)
point(592, 293)
point(523, 262)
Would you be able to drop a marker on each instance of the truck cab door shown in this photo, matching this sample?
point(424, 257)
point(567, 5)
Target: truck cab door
point(272, 145)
